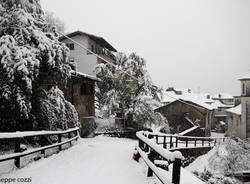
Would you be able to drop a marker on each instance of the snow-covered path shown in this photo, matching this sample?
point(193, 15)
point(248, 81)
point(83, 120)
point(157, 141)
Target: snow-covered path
point(100, 160)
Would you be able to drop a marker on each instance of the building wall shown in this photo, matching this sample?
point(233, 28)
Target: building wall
point(84, 104)
point(175, 112)
point(245, 116)
point(235, 125)
point(246, 88)
point(85, 62)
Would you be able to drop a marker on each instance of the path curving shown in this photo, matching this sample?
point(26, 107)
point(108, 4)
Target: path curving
point(100, 160)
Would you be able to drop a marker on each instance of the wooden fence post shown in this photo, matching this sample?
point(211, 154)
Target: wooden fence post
point(195, 143)
point(76, 134)
point(171, 141)
point(202, 143)
point(186, 142)
point(151, 158)
point(176, 142)
point(156, 138)
point(176, 174)
point(209, 142)
point(164, 142)
point(42, 143)
point(17, 150)
point(59, 141)
point(69, 137)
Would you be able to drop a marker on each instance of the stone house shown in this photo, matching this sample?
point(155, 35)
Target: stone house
point(184, 114)
point(234, 121)
point(222, 102)
point(240, 125)
point(224, 98)
point(80, 91)
point(84, 60)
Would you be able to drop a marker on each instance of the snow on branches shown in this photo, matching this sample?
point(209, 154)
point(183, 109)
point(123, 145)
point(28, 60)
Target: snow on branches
point(29, 53)
point(54, 112)
point(128, 89)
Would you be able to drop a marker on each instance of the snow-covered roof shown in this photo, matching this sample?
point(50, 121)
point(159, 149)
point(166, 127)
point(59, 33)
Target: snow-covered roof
point(235, 110)
point(217, 104)
point(199, 99)
point(199, 103)
point(245, 77)
point(170, 96)
point(85, 75)
point(97, 39)
point(223, 96)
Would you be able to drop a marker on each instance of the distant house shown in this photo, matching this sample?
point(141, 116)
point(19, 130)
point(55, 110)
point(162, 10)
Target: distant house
point(84, 60)
point(80, 90)
point(239, 116)
point(220, 102)
point(224, 98)
point(234, 122)
point(185, 114)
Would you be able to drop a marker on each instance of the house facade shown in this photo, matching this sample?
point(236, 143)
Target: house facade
point(234, 122)
point(183, 114)
point(80, 92)
point(222, 102)
point(84, 60)
point(239, 124)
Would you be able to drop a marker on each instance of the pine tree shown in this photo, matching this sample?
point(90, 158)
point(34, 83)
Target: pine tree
point(29, 53)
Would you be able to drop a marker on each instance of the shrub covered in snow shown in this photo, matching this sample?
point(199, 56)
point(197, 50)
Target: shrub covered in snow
point(53, 112)
point(29, 53)
point(224, 160)
point(210, 178)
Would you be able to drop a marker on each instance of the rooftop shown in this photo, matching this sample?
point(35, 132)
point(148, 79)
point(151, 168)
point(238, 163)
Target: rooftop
point(235, 110)
point(97, 39)
point(245, 77)
point(80, 74)
point(223, 96)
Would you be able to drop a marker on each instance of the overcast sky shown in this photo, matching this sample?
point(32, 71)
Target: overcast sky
point(187, 43)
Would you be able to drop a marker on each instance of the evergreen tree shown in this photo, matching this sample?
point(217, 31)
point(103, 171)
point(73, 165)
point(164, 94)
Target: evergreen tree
point(29, 54)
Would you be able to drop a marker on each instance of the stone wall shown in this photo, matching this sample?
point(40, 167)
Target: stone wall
point(234, 125)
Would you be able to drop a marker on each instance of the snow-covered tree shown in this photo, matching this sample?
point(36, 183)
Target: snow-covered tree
point(54, 21)
point(53, 112)
point(128, 89)
point(29, 54)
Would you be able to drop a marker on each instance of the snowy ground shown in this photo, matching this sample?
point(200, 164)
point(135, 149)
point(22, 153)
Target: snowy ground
point(95, 160)
point(100, 160)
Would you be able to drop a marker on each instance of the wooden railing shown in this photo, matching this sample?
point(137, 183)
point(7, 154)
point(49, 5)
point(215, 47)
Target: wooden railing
point(155, 148)
point(173, 142)
point(151, 153)
point(18, 137)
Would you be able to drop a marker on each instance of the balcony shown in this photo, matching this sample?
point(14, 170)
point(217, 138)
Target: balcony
point(104, 53)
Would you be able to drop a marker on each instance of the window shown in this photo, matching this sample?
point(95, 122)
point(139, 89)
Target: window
point(71, 59)
point(243, 88)
point(86, 89)
point(70, 46)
